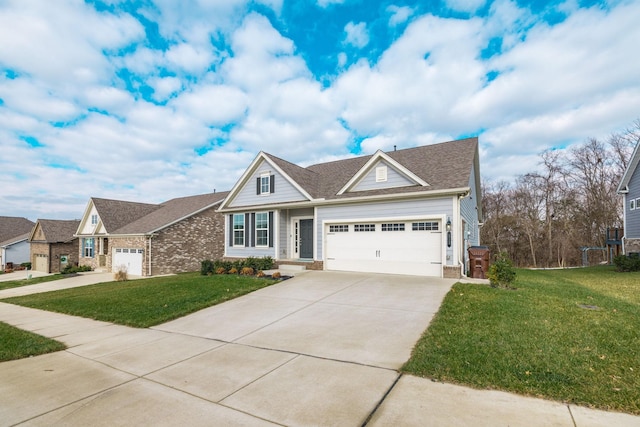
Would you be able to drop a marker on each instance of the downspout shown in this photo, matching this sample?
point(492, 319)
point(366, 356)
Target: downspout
point(149, 254)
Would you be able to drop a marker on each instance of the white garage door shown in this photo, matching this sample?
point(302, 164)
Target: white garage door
point(129, 258)
point(394, 247)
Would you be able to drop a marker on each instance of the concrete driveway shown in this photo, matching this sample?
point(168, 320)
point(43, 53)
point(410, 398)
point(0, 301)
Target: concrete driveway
point(320, 349)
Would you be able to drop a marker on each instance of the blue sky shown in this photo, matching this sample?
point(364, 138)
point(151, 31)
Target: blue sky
point(149, 100)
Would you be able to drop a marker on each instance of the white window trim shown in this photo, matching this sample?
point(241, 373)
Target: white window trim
point(266, 228)
point(632, 205)
point(244, 228)
point(262, 183)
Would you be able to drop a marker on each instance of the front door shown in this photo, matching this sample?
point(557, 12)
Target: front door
point(306, 238)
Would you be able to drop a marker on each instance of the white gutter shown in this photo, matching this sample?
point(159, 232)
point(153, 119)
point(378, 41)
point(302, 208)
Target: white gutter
point(462, 191)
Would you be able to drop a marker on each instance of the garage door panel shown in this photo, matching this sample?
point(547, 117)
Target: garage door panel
point(401, 251)
point(131, 259)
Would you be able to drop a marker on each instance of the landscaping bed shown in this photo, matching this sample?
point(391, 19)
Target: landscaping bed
point(568, 335)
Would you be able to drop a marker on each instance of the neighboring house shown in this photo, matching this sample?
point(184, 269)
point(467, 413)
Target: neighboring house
point(14, 244)
point(630, 189)
point(413, 211)
point(149, 239)
point(53, 245)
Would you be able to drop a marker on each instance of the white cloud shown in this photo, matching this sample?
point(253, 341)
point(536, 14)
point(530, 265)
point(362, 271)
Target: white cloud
point(468, 6)
point(212, 104)
point(164, 87)
point(399, 14)
point(190, 58)
point(24, 95)
point(357, 35)
point(69, 38)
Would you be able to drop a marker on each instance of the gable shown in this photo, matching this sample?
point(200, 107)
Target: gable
point(91, 223)
point(37, 234)
point(281, 189)
point(379, 165)
point(382, 175)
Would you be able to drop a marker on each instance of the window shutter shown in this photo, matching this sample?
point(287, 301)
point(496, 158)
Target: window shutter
point(248, 232)
point(272, 185)
point(230, 230)
point(251, 230)
point(258, 185)
point(271, 226)
point(93, 247)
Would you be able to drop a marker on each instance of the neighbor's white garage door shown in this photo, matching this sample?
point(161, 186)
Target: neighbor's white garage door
point(130, 258)
point(394, 247)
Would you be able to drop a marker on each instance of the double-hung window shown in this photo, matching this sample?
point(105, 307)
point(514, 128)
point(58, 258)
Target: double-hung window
point(94, 219)
point(262, 229)
point(88, 248)
point(238, 230)
point(264, 184)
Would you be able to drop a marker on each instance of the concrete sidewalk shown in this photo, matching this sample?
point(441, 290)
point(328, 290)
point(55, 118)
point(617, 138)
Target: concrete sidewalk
point(82, 279)
point(319, 349)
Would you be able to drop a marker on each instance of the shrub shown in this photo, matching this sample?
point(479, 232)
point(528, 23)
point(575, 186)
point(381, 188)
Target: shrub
point(221, 270)
point(233, 270)
point(276, 275)
point(120, 274)
point(206, 267)
point(501, 272)
point(627, 263)
point(260, 274)
point(72, 269)
point(26, 265)
point(264, 263)
point(247, 271)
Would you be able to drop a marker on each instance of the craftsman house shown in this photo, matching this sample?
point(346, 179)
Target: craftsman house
point(53, 245)
point(413, 211)
point(630, 189)
point(149, 239)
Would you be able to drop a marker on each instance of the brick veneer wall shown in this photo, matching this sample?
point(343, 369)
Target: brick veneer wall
point(54, 251)
point(451, 272)
point(182, 246)
point(631, 245)
point(132, 242)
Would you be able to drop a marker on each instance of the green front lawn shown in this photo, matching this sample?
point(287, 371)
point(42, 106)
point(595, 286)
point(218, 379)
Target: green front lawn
point(145, 302)
point(569, 335)
point(32, 281)
point(17, 344)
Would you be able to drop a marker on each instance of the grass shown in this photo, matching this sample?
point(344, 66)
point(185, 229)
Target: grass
point(18, 344)
point(24, 282)
point(146, 302)
point(539, 341)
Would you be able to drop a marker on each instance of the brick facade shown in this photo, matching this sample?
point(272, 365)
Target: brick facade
point(54, 251)
point(176, 249)
point(182, 246)
point(451, 272)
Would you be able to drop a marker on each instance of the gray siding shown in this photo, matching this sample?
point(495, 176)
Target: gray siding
point(632, 226)
point(394, 179)
point(469, 213)
point(410, 208)
point(283, 192)
point(17, 253)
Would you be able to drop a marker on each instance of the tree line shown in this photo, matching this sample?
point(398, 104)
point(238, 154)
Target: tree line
point(546, 218)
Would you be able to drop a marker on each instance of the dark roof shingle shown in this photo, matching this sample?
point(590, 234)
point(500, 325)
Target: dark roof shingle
point(58, 231)
point(169, 212)
point(11, 228)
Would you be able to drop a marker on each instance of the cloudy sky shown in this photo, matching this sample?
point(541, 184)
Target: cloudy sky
point(147, 100)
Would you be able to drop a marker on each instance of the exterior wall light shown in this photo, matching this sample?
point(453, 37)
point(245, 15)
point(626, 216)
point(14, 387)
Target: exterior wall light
point(448, 227)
